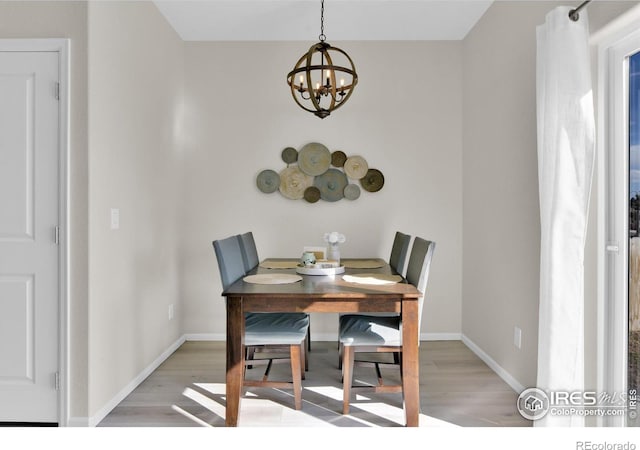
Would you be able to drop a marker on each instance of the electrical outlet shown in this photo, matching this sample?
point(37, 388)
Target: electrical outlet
point(171, 311)
point(517, 337)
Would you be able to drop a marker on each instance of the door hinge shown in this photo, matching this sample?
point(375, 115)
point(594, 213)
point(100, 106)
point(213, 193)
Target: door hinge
point(56, 381)
point(57, 235)
point(57, 91)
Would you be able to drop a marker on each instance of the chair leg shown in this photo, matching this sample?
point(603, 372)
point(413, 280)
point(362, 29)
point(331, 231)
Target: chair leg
point(296, 374)
point(304, 364)
point(340, 351)
point(309, 336)
point(250, 354)
point(348, 356)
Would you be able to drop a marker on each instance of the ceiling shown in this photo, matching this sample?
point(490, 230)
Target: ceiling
point(299, 20)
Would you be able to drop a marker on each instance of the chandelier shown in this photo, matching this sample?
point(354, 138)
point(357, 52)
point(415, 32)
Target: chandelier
point(323, 78)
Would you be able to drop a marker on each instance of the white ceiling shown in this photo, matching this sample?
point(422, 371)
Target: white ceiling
point(299, 20)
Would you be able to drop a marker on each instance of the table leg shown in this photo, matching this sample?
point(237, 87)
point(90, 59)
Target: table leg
point(235, 360)
point(410, 362)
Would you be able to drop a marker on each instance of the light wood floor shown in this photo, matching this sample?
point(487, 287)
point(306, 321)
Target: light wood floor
point(187, 390)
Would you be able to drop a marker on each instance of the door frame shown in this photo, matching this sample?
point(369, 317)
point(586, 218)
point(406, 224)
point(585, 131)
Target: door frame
point(62, 47)
point(613, 45)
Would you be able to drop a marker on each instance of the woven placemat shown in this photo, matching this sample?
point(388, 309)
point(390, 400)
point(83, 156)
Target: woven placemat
point(280, 264)
point(272, 278)
point(363, 263)
point(372, 278)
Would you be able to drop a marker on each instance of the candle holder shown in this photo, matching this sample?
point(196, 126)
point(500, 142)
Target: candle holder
point(334, 239)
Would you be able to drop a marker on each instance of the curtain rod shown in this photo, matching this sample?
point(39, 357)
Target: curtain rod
point(574, 13)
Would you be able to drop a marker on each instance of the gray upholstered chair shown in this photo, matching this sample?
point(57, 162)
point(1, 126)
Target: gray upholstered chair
point(399, 252)
point(249, 251)
point(251, 260)
point(397, 259)
point(373, 333)
point(266, 329)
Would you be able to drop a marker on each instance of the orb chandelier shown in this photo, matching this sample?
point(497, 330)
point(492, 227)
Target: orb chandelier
point(323, 78)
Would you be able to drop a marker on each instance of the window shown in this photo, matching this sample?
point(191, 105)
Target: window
point(619, 216)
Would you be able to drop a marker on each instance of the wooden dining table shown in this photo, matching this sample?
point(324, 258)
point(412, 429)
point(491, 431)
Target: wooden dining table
point(322, 294)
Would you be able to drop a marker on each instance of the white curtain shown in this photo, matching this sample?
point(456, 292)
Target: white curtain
point(565, 163)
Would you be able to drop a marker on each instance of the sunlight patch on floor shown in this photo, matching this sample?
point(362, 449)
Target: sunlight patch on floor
point(264, 412)
point(327, 391)
point(214, 388)
point(189, 416)
point(205, 401)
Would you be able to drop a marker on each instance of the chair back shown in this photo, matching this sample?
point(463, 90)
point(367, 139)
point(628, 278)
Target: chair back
point(249, 251)
point(399, 252)
point(230, 261)
point(418, 268)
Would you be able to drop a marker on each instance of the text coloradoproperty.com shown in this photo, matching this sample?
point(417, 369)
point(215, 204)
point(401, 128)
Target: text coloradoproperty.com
point(586, 412)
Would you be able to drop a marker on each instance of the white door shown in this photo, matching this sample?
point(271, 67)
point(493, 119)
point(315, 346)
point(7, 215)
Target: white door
point(29, 205)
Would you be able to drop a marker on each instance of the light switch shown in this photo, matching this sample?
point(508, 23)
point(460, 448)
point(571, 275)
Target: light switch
point(115, 218)
point(517, 337)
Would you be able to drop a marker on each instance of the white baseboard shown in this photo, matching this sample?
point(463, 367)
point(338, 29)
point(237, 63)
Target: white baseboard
point(106, 409)
point(501, 372)
point(323, 337)
point(205, 337)
point(440, 336)
point(423, 337)
point(319, 337)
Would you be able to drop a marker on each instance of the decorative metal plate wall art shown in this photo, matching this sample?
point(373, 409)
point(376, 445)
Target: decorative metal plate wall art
point(315, 173)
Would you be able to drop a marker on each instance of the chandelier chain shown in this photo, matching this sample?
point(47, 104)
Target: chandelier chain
point(322, 37)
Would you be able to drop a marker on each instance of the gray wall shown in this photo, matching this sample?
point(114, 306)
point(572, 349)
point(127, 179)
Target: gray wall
point(135, 107)
point(501, 231)
point(239, 116)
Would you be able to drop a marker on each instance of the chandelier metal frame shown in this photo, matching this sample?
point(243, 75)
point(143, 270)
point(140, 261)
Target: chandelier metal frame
point(326, 90)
